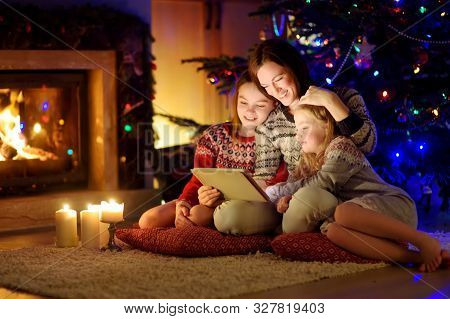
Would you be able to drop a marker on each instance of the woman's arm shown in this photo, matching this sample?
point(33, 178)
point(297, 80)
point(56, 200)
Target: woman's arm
point(352, 117)
point(358, 126)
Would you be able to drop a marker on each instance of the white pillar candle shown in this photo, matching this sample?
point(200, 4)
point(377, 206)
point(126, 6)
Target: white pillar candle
point(90, 228)
point(66, 227)
point(112, 212)
point(103, 227)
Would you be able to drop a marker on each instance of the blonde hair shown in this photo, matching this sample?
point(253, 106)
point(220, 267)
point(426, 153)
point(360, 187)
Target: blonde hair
point(310, 163)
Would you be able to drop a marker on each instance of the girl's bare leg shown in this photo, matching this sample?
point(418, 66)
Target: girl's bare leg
point(370, 246)
point(202, 215)
point(159, 216)
point(378, 227)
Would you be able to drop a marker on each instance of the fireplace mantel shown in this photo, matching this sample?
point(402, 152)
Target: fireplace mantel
point(100, 67)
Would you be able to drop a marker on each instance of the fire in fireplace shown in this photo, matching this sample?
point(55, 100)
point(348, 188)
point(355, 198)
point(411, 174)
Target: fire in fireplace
point(43, 123)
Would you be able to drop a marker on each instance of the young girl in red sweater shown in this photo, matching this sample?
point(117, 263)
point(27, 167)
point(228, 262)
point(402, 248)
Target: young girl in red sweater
point(226, 145)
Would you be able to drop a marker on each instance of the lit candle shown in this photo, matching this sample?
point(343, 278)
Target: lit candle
point(104, 233)
point(94, 234)
point(112, 212)
point(66, 227)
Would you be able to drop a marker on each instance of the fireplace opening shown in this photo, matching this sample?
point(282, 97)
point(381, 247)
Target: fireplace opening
point(43, 131)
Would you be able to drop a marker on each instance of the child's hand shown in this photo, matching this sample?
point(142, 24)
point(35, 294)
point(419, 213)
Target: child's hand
point(283, 204)
point(182, 208)
point(209, 196)
point(181, 214)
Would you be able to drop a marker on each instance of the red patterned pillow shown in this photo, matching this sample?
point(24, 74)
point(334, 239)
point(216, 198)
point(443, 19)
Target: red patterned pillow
point(192, 241)
point(313, 247)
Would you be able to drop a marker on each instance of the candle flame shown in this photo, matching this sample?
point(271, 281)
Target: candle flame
point(66, 206)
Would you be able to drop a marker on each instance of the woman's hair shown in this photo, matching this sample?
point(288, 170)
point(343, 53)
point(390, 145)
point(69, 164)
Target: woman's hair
point(284, 54)
point(235, 121)
point(310, 163)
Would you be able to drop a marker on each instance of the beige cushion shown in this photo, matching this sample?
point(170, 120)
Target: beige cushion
point(240, 217)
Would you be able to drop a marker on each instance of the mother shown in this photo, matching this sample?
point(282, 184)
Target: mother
point(279, 72)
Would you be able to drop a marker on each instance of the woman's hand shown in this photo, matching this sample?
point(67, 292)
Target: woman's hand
point(181, 215)
point(283, 204)
point(209, 196)
point(323, 97)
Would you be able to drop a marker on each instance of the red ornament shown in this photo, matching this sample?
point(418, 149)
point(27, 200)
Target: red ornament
point(45, 119)
point(337, 52)
point(28, 27)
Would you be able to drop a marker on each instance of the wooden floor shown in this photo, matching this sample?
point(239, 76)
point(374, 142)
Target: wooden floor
point(390, 282)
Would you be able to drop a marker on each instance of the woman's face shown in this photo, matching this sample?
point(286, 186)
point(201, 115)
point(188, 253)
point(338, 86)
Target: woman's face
point(252, 106)
point(278, 82)
point(310, 131)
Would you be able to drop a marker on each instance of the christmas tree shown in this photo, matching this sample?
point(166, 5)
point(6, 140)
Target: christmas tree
point(395, 53)
point(222, 71)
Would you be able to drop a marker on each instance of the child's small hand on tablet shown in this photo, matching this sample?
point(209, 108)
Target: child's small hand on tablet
point(209, 196)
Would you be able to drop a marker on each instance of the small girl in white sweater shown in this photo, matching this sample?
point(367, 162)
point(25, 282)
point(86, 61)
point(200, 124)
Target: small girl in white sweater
point(373, 217)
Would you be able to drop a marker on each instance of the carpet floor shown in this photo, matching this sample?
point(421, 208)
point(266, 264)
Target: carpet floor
point(85, 273)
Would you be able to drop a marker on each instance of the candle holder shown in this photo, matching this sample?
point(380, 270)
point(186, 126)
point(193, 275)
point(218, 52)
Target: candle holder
point(112, 246)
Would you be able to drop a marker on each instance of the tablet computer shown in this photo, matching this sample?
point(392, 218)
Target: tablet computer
point(232, 183)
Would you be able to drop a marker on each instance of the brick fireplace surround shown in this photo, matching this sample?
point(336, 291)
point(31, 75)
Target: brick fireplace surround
point(24, 212)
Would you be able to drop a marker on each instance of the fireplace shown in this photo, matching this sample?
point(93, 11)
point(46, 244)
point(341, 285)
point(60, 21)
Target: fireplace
point(60, 108)
point(43, 130)
point(80, 89)
point(105, 70)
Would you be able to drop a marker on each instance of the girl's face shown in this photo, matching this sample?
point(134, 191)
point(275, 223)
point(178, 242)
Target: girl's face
point(310, 131)
point(252, 106)
point(278, 82)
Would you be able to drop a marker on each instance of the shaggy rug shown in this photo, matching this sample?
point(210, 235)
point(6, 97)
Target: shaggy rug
point(85, 273)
